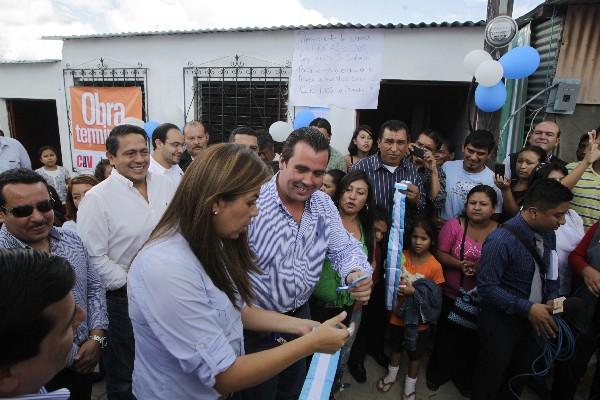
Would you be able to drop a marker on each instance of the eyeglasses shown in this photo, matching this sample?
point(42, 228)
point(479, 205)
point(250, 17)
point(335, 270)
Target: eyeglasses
point(25, 211)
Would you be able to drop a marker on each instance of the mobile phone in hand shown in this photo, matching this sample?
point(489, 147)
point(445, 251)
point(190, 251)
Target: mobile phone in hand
point(500, 169)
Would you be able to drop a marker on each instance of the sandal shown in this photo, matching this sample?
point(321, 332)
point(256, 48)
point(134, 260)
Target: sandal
point(383, 386)
point(412, 396)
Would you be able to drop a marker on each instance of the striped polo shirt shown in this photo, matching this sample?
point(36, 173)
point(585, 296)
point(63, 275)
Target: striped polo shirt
point(586, 196)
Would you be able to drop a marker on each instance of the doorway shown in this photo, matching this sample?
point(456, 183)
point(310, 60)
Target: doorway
point(34, 123)
point(422, 105)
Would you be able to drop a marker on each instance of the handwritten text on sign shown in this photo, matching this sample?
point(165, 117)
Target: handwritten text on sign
point(339, 67)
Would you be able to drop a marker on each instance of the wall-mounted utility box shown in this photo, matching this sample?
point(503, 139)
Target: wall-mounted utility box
point(563, 97)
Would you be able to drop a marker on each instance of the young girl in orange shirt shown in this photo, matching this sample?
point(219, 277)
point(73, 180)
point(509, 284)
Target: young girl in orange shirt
point(419, 264)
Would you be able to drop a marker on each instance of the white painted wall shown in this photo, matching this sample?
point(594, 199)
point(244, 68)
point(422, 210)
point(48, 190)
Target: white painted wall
point(427, 54)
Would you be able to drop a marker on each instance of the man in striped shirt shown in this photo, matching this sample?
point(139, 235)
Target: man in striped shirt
point(297, 227)
point(391, 164)
point(584, 182)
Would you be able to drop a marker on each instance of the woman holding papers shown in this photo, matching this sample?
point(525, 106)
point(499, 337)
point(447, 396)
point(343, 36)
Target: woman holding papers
point(190, 296)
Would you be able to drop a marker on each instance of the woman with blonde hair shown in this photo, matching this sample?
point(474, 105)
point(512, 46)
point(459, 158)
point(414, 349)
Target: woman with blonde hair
point(190, 296)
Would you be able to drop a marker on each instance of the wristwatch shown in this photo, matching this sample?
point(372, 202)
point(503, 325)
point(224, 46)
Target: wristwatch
point(100, 339)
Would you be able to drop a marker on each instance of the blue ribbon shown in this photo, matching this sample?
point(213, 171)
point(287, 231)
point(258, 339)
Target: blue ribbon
point(394, 259)
point(320, 377)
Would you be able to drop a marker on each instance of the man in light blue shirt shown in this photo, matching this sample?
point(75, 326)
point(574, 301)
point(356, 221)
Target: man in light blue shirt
point(298, 226)
point(13, 154)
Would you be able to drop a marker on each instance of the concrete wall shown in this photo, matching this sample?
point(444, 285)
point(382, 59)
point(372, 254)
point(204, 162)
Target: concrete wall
point(409, 54)
point(585, 118)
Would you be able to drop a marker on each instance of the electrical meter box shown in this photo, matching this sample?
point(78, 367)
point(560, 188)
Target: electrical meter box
point(563, 96)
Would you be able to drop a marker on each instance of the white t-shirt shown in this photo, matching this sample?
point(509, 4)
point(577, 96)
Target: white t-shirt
point(458, 184)
point(568, 237)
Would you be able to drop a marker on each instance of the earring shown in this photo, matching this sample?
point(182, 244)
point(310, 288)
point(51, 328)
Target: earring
point(215, 212)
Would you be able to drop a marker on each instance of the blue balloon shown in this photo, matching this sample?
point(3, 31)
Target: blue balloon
point(149, 127)
point(520, 62)
point(490, 99)
point(303, 118)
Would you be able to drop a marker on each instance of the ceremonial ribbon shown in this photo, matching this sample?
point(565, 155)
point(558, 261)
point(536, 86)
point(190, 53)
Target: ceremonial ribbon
point(320, 377)
point(394, 259)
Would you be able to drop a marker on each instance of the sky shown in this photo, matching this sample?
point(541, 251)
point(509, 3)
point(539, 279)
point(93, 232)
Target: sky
point(24, 22)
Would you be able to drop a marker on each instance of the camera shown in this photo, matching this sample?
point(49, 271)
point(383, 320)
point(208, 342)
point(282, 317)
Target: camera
point(417, 152)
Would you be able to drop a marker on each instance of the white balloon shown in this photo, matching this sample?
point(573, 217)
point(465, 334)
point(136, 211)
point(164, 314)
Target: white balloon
point(489, 73)
point(280, 130)
point(132, 121)
point(474, 58)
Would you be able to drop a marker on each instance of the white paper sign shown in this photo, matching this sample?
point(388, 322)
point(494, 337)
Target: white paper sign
point(340, 67)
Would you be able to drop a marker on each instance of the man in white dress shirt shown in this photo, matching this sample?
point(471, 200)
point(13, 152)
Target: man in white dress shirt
point(114, 220)
point(168, 145)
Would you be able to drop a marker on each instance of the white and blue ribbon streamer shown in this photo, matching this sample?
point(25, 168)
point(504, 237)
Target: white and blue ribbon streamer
point(393, 269)
point(320, 377)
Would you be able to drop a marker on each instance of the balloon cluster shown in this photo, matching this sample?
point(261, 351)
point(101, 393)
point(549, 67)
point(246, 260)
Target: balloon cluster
point(518, 63)
point(280, 130)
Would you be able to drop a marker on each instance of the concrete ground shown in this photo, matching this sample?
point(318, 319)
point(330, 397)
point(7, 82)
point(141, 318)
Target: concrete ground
point(368, 391)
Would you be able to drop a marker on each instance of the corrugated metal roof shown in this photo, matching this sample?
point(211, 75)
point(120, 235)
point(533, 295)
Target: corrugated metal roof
point(579, 55)
point(29, 61)
point(275, 28)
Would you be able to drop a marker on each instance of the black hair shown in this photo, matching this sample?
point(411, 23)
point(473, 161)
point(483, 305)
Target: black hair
point(311, 136)
point(337, 175)
point(541, 153)
point(429, 228)
point(545, 194)
point(379, 214)
point(112, 142)
point(433, 135)
point(450, 145)
point(321, 123)
point(485, 189)
point(100, 168)
point(393, 125)
point(481, 139)
point(352, 149)
point(545, 170)
point(44, 148)
point(31, 281)
point(264, 139)
point(19, 175)
point(161, 131)
point(242, 130)
point(365, 215)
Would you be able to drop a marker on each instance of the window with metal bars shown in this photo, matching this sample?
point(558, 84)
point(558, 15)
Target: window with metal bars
point(228, 97)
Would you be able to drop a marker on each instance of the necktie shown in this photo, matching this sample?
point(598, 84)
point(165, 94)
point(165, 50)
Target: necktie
point(535, 295)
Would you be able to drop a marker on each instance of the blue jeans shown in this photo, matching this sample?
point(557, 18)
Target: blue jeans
point(119, 355)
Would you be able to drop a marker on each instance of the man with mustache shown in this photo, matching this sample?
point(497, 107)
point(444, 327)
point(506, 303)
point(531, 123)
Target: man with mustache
point(27, 216)
point(196, 138)
point(114, 219)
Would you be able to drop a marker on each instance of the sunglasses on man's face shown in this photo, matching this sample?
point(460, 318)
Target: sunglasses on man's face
point(25, 211)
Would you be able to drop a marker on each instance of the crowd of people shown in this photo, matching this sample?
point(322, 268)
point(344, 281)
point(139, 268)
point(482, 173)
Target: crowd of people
point(205, 272)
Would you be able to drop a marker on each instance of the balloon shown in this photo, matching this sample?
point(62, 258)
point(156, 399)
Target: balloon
point(132, 121)
point(280, 130)
point(520, 62)
point(149, 127)
point(489, 73)
point(473, 59)
point(303, 118)
point(490, 99)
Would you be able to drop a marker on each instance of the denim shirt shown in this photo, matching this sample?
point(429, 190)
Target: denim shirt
point(186, 329)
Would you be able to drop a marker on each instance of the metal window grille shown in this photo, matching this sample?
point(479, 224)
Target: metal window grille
point(226, 97)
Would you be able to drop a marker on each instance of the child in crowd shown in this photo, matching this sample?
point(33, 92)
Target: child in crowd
point(78, 187)
point(103, 170)
point(55, 175)
point(419, 303)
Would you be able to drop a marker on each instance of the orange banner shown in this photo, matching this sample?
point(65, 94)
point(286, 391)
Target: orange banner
point(96, 110)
